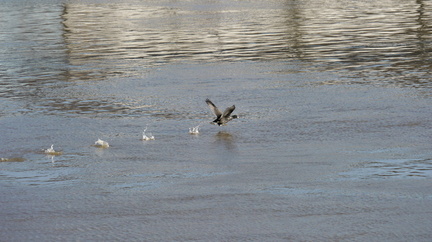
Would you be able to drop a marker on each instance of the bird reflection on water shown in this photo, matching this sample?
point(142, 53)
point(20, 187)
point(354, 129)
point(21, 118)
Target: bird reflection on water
point(226, 139)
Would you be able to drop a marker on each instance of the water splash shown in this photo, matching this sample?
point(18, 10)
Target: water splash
point(51, 151)
point(145, 137)
point(101, 144)
point(194, 130)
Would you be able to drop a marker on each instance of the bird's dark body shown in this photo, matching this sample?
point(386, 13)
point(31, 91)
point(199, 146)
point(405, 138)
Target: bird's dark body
point(221, 118)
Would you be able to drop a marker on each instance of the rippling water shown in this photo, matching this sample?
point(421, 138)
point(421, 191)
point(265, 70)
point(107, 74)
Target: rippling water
point(332, 143)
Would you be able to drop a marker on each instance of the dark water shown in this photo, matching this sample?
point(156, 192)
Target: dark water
point(333, 142)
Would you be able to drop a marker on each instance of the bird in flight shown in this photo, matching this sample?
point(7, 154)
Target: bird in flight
point(221, 118)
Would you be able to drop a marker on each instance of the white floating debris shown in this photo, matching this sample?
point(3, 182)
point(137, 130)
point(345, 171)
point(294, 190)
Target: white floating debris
point(194, 130)
point(145, 137)
point(51, 151)
point(101, 144)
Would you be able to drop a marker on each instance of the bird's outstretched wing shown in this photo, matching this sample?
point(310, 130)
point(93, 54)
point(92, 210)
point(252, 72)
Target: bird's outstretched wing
point(214, 108)
point(228, 111)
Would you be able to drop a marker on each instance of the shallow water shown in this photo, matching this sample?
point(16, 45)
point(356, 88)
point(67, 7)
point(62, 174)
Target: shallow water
point(332, 143)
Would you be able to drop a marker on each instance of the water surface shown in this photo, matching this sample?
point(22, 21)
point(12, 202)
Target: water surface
point(333, 140)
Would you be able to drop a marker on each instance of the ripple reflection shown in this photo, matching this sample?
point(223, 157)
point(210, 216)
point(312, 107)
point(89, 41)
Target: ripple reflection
point(47, 47)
